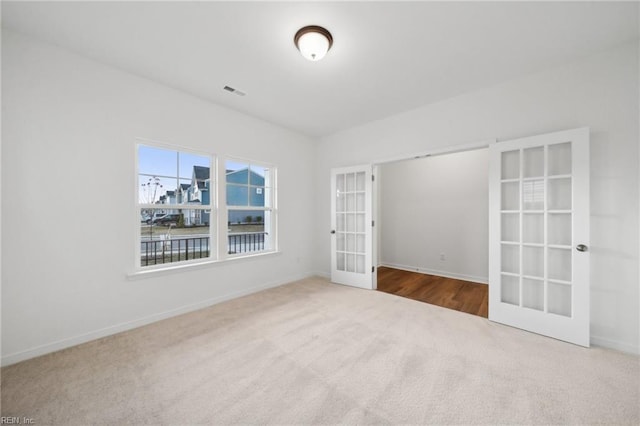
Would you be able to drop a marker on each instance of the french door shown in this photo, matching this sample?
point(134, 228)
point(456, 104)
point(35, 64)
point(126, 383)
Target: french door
point(539, 234)
point(351, 227)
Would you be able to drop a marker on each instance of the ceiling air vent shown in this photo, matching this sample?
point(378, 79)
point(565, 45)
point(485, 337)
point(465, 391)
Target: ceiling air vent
point(233, 90)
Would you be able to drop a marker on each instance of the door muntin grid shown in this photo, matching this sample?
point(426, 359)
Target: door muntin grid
point(350, 217)
point(536, 228)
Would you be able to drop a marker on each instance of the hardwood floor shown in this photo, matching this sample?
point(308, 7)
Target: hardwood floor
point(463, 296)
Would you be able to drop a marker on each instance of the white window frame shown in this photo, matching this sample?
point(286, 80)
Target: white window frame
point(218, 211)
point(211, 208)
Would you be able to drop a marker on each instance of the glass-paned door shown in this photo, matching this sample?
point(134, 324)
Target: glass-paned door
point(539, 233)
point(351, 244)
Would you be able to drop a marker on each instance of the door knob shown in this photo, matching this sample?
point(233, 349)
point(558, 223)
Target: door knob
point(333, 231)
point(581, 247)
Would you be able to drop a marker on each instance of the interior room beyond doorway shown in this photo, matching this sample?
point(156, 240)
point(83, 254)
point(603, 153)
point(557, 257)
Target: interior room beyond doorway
point(433, 234)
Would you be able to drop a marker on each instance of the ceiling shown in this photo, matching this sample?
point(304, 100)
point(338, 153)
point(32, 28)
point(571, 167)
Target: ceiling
point(387, 57)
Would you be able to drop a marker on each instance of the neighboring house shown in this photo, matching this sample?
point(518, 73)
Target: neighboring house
point(181, 193)
point(199, 189)
point(197, 193)
point(244, 187)
point(170, 199)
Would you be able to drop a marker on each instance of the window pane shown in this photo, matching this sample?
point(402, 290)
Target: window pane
point(560, 159)
point(559, 230)
point(559, 299)
point(153, 189)
point(510, 290)
point(510, 259)
point(351, 182)
point(533, 261)
point(510, 196)
point(173, 182)
point(188, 161)
point(533, 228)
point(157, 161)
point(256, 196)
point(559, 264)
point(247, 231)
point(249, 186)
point(534, 162)
point(360, 181)
point(198, 192)
point(340, 184)
point(560, 194)
point(237, 195)
point(182, 191)
point(533, 294)
point(258, 175)
point(360, 262)
point(510, 227)
point(237, 172)
point(340, 241)
point(533, 195)
point(510, 165)
point(173, 236)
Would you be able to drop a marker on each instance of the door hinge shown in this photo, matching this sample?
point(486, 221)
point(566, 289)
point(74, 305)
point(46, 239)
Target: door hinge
point(373, 178)
point(373, 223)
point(373, 269)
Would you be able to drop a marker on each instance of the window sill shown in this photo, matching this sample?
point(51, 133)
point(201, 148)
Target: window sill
point(150, 273)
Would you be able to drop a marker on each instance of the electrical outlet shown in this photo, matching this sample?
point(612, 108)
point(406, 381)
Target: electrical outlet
point(442, 257)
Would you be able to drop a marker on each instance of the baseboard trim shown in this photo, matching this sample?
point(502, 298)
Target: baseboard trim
point(603, 342)
point(446, 274)
point(130, 325)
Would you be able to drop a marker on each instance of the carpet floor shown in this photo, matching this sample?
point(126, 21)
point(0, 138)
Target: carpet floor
point(311, 352)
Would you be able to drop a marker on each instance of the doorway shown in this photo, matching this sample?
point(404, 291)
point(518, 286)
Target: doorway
point(537, 211)
point(433, 233)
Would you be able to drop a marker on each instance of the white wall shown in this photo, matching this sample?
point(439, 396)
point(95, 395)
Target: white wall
point(68, 187)
point(433, 206)
point(600, 92)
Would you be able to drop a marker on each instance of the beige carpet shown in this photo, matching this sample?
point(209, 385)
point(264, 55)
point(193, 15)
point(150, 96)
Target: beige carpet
point(311, 352)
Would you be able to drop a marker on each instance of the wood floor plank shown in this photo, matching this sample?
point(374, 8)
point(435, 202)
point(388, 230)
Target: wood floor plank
point(464, 296)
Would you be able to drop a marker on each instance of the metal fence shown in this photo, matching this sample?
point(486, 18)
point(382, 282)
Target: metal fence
point(155, 252)
point(246, 242)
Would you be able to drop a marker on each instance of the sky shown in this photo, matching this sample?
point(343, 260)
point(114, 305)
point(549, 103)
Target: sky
point(161, 170)
point(166, 166)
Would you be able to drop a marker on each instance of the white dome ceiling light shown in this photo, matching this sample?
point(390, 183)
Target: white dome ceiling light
point(313, 42)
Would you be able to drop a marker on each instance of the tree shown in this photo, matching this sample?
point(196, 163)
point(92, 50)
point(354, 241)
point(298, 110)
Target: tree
point(149, 194)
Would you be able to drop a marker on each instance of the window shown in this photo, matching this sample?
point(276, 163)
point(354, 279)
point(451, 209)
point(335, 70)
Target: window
point(175, 194)
point(251, 213)
point(180, 216)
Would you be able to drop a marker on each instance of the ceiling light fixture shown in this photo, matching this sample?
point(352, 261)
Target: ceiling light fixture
point(313, 42)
